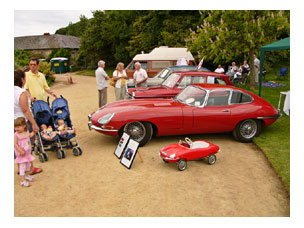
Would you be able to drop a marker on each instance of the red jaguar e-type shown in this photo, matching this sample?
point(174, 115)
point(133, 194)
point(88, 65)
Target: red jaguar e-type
point(176, 82)
point(199, 108)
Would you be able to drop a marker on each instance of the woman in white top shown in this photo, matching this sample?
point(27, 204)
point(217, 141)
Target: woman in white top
point(120, 78)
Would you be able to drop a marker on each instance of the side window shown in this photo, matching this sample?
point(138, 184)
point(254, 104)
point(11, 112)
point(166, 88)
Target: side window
point(187, 80)
point(198, 79)
point(240, 97)
point(184, 82)
point(160, 64)
point(219, 81)
point(218, 98)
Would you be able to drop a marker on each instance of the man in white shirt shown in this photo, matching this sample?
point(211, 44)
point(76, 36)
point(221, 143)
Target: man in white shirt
point(102, 84)
point(219, 69)
point(256, 68)
point(140, 76)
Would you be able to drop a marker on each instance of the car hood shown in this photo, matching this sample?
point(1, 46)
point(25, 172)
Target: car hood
point(173, 149)
point(135, 105)
point(154, 91)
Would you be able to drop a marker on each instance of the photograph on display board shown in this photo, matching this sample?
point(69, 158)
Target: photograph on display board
point(130, 153)
point(121, 145)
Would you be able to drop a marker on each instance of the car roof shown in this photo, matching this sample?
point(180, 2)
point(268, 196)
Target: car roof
point(186, 68)
point(198, 73)
point(218, 86)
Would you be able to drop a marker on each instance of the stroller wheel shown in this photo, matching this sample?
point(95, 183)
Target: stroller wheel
point(36, 150)
point(80, 150)
point(59, 155)
point(76, 151)
point(41, 158)
point(45, 156)
point(63, 154)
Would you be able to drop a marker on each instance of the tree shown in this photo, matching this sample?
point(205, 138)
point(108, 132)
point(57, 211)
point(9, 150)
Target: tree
point(228, 35)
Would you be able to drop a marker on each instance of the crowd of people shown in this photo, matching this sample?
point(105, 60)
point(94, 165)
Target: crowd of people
point(236, 74)
point(120, 77)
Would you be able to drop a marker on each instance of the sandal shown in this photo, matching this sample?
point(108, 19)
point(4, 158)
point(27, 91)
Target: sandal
point(36, 170)
point(25, 184)
point(29, 178)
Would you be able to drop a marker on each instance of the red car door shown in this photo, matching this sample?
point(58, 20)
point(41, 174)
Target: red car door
point(215, 115)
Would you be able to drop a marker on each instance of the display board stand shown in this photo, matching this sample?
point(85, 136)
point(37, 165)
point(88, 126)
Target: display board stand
point(140, 156)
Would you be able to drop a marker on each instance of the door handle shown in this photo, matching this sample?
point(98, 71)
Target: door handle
point(226, 110)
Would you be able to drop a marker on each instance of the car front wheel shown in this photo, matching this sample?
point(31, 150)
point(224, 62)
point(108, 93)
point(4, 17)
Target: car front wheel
point(246, 130)
point(141, 132)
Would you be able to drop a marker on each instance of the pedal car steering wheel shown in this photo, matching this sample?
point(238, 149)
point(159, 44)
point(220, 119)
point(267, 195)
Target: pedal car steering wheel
point(188, 141)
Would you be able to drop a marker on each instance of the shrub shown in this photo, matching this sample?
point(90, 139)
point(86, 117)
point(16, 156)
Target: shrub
point(45, 68)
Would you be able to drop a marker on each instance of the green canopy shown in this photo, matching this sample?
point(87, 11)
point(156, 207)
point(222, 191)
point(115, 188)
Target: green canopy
point(278, 45)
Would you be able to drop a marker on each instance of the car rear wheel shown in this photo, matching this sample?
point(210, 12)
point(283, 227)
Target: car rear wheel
point(141, 132)
point(246, 130)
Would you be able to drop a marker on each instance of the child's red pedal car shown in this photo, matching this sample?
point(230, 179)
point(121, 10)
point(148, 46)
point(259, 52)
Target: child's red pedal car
point(186, 151)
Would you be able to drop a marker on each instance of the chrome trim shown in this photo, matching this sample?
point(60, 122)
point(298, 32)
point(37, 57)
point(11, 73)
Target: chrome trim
point(91, 126)
point(102, 129)
point(270, 117)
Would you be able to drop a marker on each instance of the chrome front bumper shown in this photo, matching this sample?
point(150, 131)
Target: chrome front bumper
point(92, 126)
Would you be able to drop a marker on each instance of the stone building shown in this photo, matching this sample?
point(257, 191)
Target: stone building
point(46, 43)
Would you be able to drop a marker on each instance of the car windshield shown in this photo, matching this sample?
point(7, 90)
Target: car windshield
point(171, 81)
point(192, 95)
point(162, 74)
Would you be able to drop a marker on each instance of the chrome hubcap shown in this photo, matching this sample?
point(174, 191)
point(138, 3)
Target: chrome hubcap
point(136, 130)
point(211, 159)
point(248, 129)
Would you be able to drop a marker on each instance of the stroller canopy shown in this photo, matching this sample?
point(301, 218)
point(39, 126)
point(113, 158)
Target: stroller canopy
point(42, 112)
point(60, 109)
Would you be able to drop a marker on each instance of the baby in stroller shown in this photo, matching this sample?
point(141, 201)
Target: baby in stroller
point(47, 132)
point(63, 129)
point(64, 126)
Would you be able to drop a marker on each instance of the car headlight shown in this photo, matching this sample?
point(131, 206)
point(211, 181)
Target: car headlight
point(105, 119)
point(172, 155)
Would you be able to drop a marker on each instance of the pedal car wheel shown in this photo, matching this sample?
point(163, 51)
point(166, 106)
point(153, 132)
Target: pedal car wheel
point(41, 158)
point(182, 164)
point(165, 161)
point(63, 154)
point(45, 156)
point(59, 155)
point(141, 132)
point(76, 151)
point(211, 159)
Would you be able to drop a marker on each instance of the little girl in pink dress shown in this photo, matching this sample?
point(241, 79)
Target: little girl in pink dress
point(22, 146)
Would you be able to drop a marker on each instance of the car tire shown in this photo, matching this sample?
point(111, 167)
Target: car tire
point(141, 132)
point(182, 164)
point(246, 130)
point(211, 159)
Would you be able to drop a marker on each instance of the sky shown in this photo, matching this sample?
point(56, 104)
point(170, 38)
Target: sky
point(37, 22)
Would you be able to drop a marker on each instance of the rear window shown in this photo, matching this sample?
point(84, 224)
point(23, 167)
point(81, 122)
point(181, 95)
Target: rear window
point(239, 97)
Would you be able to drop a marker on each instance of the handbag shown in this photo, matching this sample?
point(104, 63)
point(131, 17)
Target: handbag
point(112, 82)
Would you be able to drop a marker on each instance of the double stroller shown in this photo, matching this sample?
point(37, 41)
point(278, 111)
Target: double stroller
point(43, 114)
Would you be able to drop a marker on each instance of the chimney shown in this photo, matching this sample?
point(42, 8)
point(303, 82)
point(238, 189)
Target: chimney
point(46, 34)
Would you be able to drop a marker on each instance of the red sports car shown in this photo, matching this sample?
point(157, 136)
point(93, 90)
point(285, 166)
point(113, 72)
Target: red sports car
point(176, 82)
point(200, 108)
point(186, 151)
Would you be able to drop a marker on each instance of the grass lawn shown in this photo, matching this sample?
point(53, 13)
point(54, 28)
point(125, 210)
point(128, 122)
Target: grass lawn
point(275, 139)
